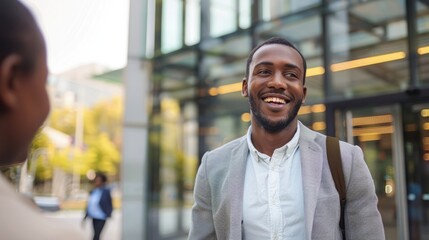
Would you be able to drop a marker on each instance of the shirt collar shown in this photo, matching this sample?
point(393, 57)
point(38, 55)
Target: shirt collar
point(285, 151)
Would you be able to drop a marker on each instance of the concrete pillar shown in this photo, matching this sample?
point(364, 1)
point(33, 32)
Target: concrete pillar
point(134, 153)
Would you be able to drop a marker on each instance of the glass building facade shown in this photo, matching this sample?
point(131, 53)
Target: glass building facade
point(367, 80)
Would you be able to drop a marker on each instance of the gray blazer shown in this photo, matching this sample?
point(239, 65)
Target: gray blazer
point(218, 193)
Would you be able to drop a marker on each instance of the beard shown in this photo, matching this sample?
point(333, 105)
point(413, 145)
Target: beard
point(271, 126)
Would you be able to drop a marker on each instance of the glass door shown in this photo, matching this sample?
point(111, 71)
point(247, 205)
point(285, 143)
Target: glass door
point(378, 131)
point(416, 140)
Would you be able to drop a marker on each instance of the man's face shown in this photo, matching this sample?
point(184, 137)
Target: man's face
point(98, 182)
point(275, 86)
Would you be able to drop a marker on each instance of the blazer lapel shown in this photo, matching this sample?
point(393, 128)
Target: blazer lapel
point(236, 175)
point(311, 162)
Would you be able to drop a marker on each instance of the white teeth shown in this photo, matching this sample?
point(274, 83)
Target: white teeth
point(274, 100)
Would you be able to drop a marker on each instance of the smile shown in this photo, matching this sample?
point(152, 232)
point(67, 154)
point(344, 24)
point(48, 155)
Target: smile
point(275, 100)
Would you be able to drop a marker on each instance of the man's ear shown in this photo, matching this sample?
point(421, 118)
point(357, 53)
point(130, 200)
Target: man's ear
point(8, 80)
point(244, 92)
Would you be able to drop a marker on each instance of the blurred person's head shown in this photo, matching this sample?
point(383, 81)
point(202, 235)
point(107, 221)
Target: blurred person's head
point(100, 179)
point(24, 103)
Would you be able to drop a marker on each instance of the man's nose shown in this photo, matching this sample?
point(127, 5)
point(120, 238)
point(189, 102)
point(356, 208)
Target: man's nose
point(278, 81)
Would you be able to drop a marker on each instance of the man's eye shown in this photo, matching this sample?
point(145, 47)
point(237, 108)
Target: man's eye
point(264, 72)
point(291, 74)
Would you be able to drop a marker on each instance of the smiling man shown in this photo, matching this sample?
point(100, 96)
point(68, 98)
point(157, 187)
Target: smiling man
point(275, 182)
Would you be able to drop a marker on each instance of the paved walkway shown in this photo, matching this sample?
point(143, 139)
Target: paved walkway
point(111, 231)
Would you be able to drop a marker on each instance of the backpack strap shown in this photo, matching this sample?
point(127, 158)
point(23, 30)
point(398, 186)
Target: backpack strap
point(336, 167)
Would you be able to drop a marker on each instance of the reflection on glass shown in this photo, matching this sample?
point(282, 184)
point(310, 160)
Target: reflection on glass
point(244, 12)
point(369, 48)
point(373, 130)
point(178, 164)
point(192, 22)
point(313, 116)
point(223, 17)
point(276, 8)
point(172, 25)
point(416, 140)
point(423, 40)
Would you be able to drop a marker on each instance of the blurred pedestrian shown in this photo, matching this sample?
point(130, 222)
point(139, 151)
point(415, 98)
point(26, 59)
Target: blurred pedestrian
point(24, 106)
point(99, 206)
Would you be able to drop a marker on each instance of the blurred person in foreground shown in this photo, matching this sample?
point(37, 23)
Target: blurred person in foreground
point(99, 207)
point(24, 106)
point(275, 182)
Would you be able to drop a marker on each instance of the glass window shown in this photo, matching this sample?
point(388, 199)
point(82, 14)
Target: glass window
point(173, 145)
point(223, 17)
point(227, 127)
point(369, 49)
point(277, 8)
point(172, 25)
point(416, 143)
point(192, 22)
point(313, 116)
point(423, 40)
point(177, 71)
point(173, 162)
point(245, 13)
point(376, 131)
point(225, 64)
point(178, 164)
point(225, 60)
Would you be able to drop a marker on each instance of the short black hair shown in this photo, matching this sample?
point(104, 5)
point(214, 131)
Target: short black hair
point(274, 40)
point(102, 176)
point(19, 34)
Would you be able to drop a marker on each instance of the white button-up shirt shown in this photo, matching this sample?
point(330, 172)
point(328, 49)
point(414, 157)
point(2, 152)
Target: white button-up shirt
point(273, 199)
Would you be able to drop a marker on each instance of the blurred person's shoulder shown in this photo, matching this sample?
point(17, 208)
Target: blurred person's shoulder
point(21, 219)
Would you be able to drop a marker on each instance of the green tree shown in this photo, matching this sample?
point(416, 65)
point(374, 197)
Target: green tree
point(102, 131)
point(108, 116)
point(63, 119)
point(101, 139)
point(38, 157)
point(102, 154)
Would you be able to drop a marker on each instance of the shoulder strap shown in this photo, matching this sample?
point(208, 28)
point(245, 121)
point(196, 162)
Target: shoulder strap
point(336, 167)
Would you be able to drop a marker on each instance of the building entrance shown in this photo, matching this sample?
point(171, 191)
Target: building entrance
point(378, 131)
point(416, 143)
